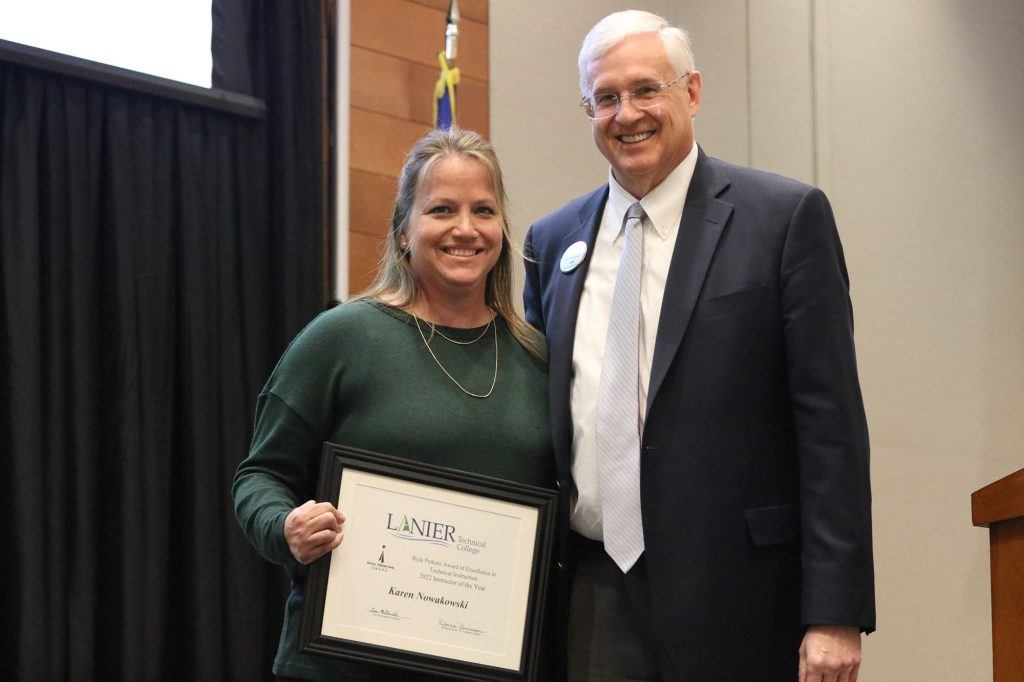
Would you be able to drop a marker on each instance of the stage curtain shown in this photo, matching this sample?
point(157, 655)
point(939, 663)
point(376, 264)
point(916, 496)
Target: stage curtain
point(155, 259)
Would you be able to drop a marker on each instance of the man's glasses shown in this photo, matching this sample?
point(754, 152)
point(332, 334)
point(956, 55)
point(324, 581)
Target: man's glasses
point(646, 96)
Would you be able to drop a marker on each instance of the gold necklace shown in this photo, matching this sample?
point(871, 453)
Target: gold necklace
point(449, 374)
point(435, 330)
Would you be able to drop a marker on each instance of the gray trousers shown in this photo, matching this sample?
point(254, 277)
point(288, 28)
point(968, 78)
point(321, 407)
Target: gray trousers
point(611, 627)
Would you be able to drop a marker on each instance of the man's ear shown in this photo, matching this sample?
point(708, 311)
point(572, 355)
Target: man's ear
point(693, 87)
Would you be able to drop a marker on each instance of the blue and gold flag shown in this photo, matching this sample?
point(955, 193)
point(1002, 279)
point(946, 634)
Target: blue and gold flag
point(444, 94)
point(447, 85)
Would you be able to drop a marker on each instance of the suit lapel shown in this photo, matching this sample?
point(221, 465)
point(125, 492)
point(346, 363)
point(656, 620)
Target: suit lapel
point(704, 217)
point(560, 319)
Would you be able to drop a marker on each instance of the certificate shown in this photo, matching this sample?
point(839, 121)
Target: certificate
point(441, 571)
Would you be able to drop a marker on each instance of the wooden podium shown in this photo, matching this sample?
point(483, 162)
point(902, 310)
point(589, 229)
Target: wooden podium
point(999, 507)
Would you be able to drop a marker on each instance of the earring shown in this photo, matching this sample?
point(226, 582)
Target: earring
point(404, 243)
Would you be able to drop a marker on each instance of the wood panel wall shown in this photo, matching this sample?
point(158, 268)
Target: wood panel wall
point(394, 66)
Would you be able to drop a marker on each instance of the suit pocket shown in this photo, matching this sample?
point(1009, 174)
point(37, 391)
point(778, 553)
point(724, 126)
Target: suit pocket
point(734, 302)
point(777, 525)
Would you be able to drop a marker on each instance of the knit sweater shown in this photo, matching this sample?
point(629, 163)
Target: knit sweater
point(361, 375)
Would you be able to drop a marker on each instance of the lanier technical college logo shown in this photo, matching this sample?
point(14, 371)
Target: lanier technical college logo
point(411, 529)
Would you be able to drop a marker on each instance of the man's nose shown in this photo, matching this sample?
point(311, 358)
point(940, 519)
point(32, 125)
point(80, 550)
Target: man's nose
point(627, 111)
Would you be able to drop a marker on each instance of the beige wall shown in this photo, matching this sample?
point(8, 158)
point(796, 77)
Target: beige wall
point(908, 114)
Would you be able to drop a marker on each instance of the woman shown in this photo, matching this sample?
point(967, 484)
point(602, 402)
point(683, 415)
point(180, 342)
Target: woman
point(430, 363)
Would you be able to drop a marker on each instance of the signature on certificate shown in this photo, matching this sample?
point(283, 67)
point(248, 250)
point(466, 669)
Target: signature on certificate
point(389, 614)
point(458, 626)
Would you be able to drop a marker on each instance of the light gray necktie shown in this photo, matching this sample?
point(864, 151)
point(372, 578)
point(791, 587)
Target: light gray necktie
point(618, 406)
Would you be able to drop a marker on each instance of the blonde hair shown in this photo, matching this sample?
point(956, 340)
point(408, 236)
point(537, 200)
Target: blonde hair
point(397, 284)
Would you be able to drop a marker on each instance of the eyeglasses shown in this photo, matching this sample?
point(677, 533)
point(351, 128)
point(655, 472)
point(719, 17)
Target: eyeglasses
point(646, 96)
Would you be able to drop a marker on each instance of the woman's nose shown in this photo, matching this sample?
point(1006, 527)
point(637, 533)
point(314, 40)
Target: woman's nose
point(464, 222)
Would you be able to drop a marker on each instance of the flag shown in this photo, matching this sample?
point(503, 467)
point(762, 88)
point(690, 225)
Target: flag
point(444, 94)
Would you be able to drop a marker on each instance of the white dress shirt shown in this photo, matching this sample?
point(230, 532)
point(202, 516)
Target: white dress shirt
point(664, 208)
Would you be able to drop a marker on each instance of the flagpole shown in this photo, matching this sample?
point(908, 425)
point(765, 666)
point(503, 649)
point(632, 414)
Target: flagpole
point(451, 34)
point(446, 88)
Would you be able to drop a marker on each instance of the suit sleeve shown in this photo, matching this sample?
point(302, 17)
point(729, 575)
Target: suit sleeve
point(828, 415)
point(531, 285)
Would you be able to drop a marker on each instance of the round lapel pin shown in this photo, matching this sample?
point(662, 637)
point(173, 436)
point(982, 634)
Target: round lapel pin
point(573, 256)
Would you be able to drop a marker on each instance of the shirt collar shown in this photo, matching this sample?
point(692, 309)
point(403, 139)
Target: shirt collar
point(663, 204)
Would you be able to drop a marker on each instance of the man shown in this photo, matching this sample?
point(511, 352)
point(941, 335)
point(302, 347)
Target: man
point(705, 404)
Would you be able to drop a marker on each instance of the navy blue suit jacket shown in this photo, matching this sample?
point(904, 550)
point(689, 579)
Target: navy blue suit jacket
point(754, 456)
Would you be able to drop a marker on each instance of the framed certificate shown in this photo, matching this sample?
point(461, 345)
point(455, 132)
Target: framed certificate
point(441, 571)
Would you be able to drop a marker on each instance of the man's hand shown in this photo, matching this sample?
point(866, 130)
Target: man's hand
point(312, 530)
point(830, 653)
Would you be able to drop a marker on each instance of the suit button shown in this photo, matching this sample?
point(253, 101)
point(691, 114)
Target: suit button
point(561, 566)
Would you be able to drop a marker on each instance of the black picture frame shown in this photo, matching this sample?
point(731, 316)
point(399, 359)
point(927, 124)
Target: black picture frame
point(335, 461)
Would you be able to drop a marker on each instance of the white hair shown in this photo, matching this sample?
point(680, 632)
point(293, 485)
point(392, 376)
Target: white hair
point(616, 27)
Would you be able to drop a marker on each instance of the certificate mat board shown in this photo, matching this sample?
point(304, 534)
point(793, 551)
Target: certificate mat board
point(441, 571)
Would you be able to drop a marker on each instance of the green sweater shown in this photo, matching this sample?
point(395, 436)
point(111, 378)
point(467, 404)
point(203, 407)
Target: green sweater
point(360, 375)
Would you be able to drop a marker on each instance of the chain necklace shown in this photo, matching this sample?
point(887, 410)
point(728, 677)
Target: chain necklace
point(435, 330)
point(463, 343)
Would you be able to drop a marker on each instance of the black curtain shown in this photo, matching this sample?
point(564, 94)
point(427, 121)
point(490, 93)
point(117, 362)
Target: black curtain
point(155, 258)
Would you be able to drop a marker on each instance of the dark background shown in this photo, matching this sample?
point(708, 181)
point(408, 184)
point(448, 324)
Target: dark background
point(155, 258)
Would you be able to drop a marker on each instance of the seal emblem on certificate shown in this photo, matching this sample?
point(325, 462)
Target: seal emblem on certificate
point(441, 571)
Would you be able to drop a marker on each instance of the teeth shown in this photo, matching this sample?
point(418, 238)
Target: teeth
point(460, 252)
point(635, 138)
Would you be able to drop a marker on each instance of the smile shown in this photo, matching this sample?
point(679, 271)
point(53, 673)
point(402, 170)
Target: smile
point(633, 139)
point(453, 251)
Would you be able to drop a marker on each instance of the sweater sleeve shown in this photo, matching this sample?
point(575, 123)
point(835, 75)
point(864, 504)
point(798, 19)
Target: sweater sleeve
point(277, 476)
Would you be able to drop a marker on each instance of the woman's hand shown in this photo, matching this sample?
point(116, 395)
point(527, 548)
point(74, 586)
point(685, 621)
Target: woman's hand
point(312, 530)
